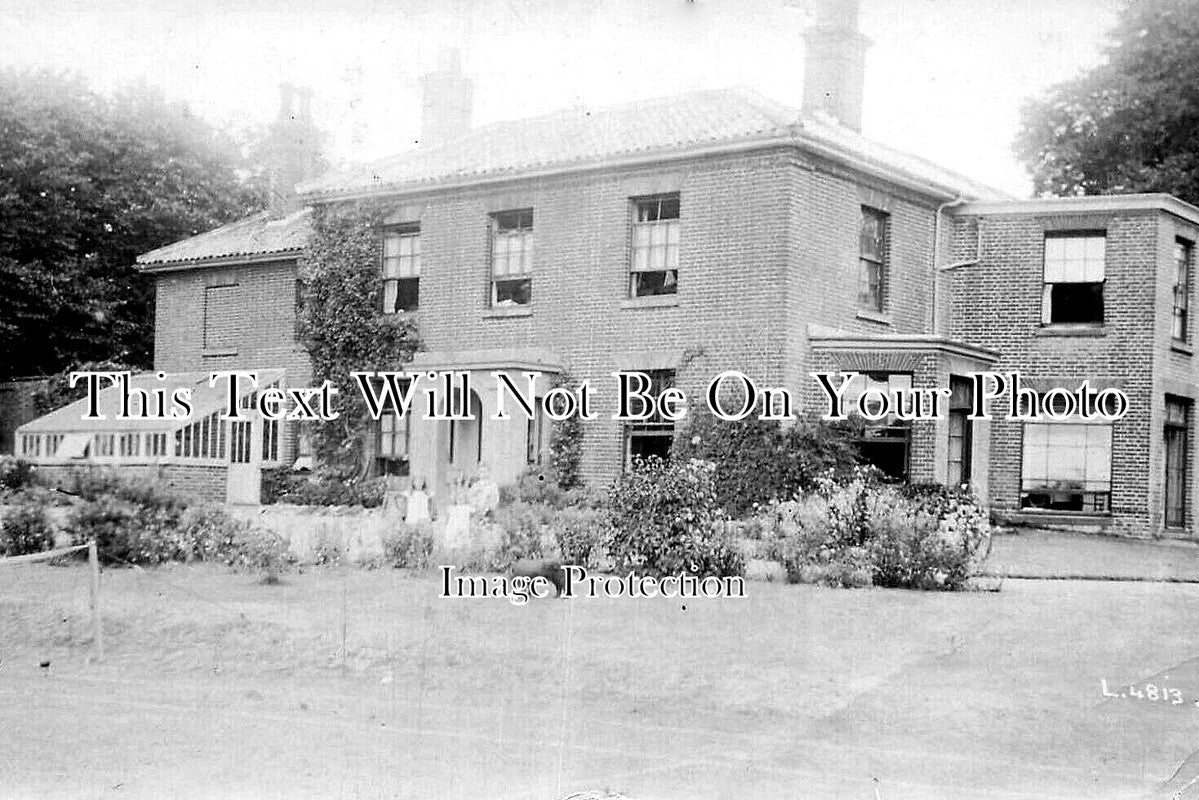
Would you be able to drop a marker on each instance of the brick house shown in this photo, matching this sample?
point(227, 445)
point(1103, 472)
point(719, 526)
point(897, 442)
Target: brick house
point(720, 230)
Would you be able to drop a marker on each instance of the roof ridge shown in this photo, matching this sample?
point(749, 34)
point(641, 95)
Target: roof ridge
point(778, 114)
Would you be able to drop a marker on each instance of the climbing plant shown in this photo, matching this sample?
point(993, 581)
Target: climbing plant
point(342, 324)
point(566, 443)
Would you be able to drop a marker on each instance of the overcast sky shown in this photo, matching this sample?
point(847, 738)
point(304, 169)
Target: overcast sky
point(945, 78)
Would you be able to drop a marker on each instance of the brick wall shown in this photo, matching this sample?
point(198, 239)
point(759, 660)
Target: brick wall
point(997, 304)
point(769, 244)
point(199, 481)
point(727, 312)
point(250, 320)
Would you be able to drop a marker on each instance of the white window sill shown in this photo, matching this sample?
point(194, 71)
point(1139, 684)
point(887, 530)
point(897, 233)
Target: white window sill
point(1071, 330)
point(217, 352)
point(874, 316)
point(651, 301)
point(1182, 347)
point(398, 317)
point(503, 312)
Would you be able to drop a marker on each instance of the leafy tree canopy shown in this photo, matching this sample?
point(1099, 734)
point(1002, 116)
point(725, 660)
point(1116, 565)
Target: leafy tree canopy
point(87, 183)
point(1130, 124)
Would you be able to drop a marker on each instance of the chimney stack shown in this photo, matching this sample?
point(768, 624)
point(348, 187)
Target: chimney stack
point(292, 148)
point(835, 63)
point(446, 101)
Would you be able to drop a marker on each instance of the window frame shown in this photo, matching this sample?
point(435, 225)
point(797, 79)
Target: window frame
point(388, 461)
point(1183, 277)
point(872, 294)
point(409, 277)
point(1048, 287)
point(1091, 501)
point(655, 427)
point(510, 226)
point(671, 251)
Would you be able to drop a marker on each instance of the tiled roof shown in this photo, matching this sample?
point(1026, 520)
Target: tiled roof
point(256, 236)
point(572, 139)
point(660, 127)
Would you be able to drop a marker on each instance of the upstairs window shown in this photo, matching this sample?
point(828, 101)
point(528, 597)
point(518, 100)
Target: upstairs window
point(655, 267)
point(872, 258)
point(1184, 252)
point(401, 269)
point(1074, 275)
point(512, 258)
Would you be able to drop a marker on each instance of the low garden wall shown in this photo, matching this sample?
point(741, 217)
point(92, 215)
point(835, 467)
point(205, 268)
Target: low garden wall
point(342, 534)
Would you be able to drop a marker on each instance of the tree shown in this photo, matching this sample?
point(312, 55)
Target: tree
point(1131, 124)
point(87, 183)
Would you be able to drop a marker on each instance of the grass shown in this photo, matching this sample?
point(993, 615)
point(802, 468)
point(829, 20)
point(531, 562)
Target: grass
point(348, 683)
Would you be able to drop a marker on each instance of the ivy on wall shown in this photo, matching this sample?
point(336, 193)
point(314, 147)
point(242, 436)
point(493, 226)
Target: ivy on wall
point(566, 443)
point(342, 324)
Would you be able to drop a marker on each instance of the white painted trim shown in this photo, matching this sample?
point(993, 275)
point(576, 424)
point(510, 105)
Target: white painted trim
point(1098, 204)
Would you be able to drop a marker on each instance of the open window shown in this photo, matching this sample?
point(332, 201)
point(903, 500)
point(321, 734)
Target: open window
point(1074, 277)
point(401, 269)
point(656, 236)
point(512, 258)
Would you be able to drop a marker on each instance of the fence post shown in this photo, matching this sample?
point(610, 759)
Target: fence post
point(93, 560)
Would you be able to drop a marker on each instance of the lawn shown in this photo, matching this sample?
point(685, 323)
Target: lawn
point(349, 683)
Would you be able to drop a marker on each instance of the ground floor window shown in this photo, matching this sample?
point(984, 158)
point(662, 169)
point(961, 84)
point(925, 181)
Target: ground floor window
point(537, 436)
point(270, 440)
point(654, 436)
point(1067, 467)
point(466, 436)
point(394, 437)
point(1176, 441)
point(884, 443)
point(961, 432)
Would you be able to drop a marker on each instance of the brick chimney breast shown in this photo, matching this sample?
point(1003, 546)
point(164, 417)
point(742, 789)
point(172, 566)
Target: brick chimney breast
point(446, 104)
point(835, 63)
point(292, 148)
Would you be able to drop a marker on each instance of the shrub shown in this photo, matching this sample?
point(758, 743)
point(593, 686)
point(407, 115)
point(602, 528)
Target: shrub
point(137, 521)
point(409, 547)
point(760, 460)
point(16, 474)
point(328, 550)
point(113, 523)
point(25, 528)
point(935, 541)
point(276, 483)
point(664, 520)
point(282, 485)
point(525, 526)
point(582, 534)
point(133, 520)
point(215, 535)
point(253, 549)
point(542, 486)
point(862, 532)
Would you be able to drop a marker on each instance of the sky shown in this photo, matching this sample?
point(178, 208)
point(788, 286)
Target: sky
point(945, 79)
